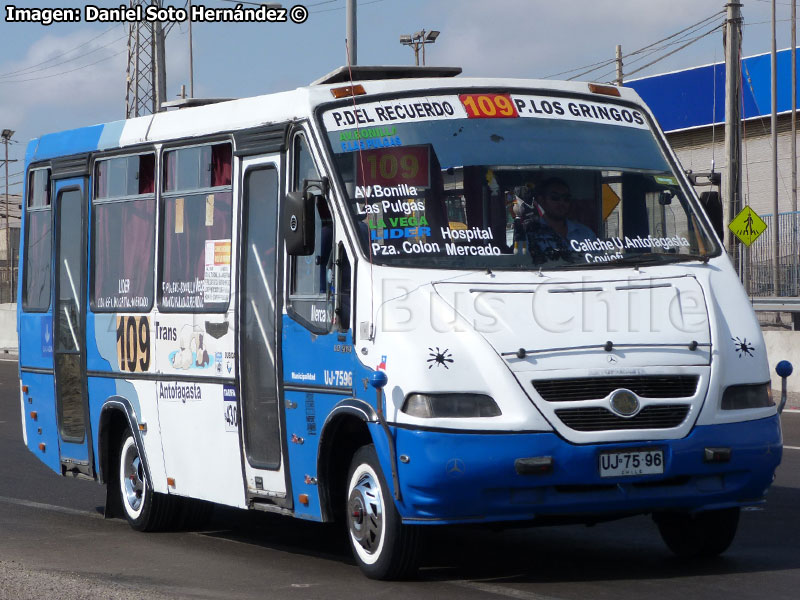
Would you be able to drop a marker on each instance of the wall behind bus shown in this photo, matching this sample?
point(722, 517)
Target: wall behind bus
point(783, 345)
point(8, 327)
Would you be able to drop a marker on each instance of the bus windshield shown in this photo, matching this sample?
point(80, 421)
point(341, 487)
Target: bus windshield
point(511, 181)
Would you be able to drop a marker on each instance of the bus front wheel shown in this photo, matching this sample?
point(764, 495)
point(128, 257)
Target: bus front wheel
point(701, 535)
point(383, 547)
point(144, 509)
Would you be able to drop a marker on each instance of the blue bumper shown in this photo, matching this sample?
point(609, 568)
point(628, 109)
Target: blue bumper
point(470, 477)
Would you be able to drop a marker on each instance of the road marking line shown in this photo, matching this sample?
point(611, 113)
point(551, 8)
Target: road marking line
point(50, 507)
point(791, 447)
point(8, 359)
point(499, 590)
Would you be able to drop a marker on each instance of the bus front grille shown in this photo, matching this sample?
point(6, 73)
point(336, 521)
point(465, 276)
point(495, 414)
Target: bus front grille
point(591, 388)
point(597, 418)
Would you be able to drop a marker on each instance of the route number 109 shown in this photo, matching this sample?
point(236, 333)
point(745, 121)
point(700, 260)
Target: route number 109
point(133, 344)
point(489, 106)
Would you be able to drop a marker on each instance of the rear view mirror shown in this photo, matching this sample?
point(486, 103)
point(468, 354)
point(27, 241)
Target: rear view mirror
point(713, 206)
point(298, 223)
point(665, 198)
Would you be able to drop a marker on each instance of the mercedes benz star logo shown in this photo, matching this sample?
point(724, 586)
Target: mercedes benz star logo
point(612, 360)
point(455, 466)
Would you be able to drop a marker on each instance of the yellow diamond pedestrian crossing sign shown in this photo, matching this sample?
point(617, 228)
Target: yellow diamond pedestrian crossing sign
point(747, 226)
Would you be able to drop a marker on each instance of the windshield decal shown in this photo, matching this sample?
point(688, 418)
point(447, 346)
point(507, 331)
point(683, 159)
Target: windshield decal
point(546, 107)
point(368, 139)
point(595, 248)
point(376, 116)
point(389, 112)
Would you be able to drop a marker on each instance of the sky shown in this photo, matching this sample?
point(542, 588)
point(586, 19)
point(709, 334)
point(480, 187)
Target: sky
point(69, 75)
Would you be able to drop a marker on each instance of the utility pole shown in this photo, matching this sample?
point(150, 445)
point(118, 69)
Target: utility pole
point(794, 111)
point(160, 77)
point(352, 33)
point(733, 126)
point(618, 80)
point(795, 240)
point(774, 120)
point(146, 73)
point(191, 52)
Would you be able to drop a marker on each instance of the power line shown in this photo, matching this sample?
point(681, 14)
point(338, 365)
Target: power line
point(64, 72)
point(58, 55)
point(767, 22)
point(653, 48)
point(31, 70)
point(689, 43)
point(770, 2)
point(601, 64)
point(686, 30)
point(664, 47)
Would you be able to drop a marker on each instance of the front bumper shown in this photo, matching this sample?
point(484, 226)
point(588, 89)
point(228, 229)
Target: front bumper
point(453, 477)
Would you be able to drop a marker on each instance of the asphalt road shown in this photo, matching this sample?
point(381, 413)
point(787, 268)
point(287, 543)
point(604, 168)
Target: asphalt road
point(54, 543)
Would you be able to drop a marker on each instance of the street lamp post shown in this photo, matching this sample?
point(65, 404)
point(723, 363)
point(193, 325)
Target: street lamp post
point(417, 41)
point(6, 135)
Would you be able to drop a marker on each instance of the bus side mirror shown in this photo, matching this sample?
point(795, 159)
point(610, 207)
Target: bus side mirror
point(713, 206)
point(298, 223)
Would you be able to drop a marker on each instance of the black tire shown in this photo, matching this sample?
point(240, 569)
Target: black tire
point(192, 514)
point(702, 535)
point(144, 509)
point(383, 547)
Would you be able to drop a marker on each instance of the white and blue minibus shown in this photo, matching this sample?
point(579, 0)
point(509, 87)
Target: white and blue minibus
point(394, 298)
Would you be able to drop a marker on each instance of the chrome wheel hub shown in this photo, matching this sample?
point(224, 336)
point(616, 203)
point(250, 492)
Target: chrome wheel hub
point(133, 480)
point(365, 513)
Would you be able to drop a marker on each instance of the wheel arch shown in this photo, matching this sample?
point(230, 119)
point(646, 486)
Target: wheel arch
point(343, 433)
point(117, 414)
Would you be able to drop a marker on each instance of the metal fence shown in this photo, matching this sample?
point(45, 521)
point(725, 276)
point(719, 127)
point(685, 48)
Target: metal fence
point(8, 285)
point(757, 259)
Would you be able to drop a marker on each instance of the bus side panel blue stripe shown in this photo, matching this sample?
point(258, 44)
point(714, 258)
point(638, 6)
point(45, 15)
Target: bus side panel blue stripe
point(100, 390)
point(75, 141)
point(66, 143)
point(43, 429)
point(112, 132)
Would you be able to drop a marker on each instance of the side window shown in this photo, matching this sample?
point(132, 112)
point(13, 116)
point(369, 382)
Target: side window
point(38, 243)
point(310, 289)
point(196, 233)
point(124, 217)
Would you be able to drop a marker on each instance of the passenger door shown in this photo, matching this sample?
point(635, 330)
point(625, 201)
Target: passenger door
point(262, 416)
point(69, 318)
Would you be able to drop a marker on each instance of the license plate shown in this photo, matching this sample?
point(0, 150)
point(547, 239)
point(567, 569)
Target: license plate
point(631, 462)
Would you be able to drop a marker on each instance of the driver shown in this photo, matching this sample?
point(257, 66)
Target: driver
point(554, 231)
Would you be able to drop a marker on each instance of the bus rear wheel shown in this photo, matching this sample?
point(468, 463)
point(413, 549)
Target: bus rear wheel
point(144, 509)
point(383, 547)
point(702, 535)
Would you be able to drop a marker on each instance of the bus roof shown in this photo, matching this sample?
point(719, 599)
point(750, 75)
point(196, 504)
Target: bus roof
point(256, 111)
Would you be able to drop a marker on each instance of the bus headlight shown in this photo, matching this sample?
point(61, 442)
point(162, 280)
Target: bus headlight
point(738, 397)
point(429, 406)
